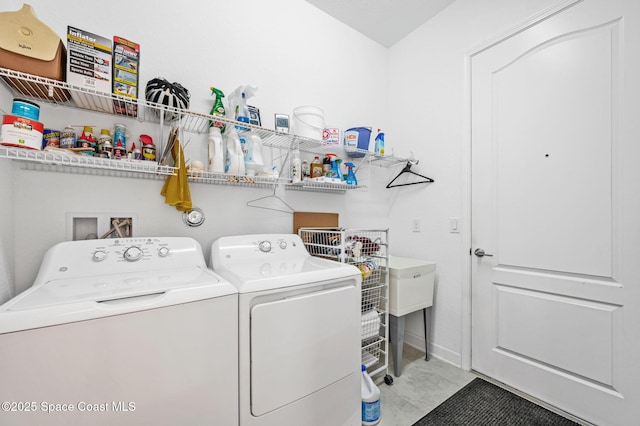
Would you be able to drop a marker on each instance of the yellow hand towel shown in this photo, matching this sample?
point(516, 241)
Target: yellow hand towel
point(176, 188)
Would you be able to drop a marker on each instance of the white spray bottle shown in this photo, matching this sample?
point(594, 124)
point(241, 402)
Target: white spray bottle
point(236, 98)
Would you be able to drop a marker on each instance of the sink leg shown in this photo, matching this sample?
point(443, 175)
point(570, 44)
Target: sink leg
point(426, 332)
point(396, 335)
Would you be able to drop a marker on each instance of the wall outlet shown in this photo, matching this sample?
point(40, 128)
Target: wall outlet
point(415, 225)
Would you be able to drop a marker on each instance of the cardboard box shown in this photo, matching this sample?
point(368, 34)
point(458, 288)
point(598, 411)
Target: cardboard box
point(126, 66)
point(314, 220)
point(89, 67)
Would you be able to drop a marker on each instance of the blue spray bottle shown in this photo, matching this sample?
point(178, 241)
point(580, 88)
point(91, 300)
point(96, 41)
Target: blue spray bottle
point(351, 176)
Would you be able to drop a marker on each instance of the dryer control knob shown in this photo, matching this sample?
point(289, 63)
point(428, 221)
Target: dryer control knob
point(283, 245)
point(133, 254)
point(163, 251)
point(99, 256)
point(264, 246)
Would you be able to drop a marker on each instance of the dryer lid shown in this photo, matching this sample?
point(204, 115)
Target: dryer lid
point(259, 276)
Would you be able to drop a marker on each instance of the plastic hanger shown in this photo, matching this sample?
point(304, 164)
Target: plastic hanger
point(407, 169)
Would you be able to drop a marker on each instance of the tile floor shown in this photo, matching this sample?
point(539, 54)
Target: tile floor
point(421, 387)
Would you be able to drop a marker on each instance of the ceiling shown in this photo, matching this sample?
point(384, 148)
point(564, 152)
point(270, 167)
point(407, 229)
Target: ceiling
point(385, 21)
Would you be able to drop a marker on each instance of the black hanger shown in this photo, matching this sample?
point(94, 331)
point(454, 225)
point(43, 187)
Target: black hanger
point(407, 169)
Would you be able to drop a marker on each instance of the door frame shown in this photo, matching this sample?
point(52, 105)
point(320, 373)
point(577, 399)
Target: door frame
point(467, 231)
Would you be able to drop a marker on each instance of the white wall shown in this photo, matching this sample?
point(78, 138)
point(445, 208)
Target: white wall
point(6, 230)
point(427, 100)
point(298, 56)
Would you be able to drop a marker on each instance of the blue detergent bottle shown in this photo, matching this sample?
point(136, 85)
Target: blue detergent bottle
point(351, 176)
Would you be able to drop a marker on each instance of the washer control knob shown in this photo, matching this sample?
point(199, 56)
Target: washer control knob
point(99, 255)
point(133, 254)
point(163, 251)
point(283, 245)
point(264, 246)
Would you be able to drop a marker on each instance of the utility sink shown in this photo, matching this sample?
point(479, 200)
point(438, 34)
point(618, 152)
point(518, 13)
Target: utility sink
point(410, 285)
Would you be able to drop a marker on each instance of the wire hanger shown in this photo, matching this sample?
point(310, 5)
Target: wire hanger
point(407, 169)
point(284, 207)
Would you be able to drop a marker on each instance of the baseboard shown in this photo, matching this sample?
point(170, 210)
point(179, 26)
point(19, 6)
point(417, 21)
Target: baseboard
point(435, 350)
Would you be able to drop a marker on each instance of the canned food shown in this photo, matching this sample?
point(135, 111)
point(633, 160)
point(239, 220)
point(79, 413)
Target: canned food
point(51, 137)
point(102, 139)
point(67, 138)
point(149, 152)
point(120, 135)
point(26, 109)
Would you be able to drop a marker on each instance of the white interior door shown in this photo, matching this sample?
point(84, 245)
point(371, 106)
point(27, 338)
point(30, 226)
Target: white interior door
point(555, 184)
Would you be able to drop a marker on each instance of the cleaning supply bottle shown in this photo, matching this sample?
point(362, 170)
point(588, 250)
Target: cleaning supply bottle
point(370, 399)
point(296, 166)
point(235, 157)
point(253, 160)
point(334, 171)
point(351, 176)
point(216, 151)
point(218, 108)
point(242, 113)
point(338, 167)
point(316, 168)
point(326, 165)
point(379, 144)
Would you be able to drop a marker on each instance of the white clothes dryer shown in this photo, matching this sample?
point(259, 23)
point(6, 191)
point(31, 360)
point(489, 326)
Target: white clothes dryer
point(299, 331)
point(121, 331)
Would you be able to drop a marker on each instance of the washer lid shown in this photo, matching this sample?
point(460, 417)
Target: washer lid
point(61, 301)
point(259, 276)
point(103, 288)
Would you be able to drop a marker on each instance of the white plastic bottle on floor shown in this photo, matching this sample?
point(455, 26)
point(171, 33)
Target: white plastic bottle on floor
point(370, 400)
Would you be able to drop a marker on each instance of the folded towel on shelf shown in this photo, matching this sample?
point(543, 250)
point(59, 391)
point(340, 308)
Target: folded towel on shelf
point(370, 323)
point(176, 187)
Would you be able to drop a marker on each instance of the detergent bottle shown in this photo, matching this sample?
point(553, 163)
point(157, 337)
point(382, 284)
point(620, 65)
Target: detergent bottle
point(253, 160)
point(216, 151)
point(370, 399)
point(351, 176)
point(379, 144)
point(235, 157)
point(218, 108)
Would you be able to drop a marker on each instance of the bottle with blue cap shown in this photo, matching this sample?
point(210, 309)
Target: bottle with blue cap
point(370, 399)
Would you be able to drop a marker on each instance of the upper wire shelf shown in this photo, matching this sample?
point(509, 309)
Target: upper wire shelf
point(54, 92)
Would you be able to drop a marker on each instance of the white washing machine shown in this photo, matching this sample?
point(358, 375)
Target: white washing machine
point(121, 331)
point(299, 331)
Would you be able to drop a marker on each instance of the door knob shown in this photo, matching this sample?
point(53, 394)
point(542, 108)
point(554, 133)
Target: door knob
point(480, 253)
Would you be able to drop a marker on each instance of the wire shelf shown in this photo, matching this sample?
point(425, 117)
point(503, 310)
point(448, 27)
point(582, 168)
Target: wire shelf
point(367, 250)
point(58, 93)
point(77, 160)
point(235, 180)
